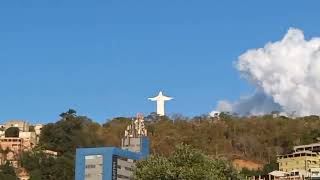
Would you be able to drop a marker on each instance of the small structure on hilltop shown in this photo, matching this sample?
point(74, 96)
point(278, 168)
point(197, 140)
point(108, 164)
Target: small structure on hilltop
point(215, 115)
point(160, 99)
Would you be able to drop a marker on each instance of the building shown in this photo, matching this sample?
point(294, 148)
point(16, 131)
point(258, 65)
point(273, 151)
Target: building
point(315, 173)
point(112, 163)
point(301, 161)
point(29, 139)
point(13, 146)
point(26, 140)
point(304, 161)
point(2, 133)
point(50, 153)
point(106, 163)
point(22, 125)
point(38, 129)
point(315, 147)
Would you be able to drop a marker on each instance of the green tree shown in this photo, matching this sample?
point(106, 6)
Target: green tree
point(7, 172)
point(7, 177)
point(184, 163)
point(68, 114)
point(267, 168)
point(69, 133)
point(64, 136)
point(311, 136)
point(42, 166)
point(272, 166)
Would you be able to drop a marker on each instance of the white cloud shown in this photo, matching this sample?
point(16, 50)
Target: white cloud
point(256, 104)
point(286, 75)
point(224, 106)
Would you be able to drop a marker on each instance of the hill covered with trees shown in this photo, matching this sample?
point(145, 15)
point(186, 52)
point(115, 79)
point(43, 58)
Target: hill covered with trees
point(257, 139)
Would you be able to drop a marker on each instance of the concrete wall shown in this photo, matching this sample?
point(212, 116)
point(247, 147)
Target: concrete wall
point(14, 144)
point(298, 163)
point(131, 144)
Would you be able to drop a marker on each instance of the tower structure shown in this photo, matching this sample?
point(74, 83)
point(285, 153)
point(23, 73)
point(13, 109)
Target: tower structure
point(160, 99)
point(135, 136)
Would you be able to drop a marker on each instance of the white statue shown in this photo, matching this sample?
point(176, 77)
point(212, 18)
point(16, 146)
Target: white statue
point(160, 102)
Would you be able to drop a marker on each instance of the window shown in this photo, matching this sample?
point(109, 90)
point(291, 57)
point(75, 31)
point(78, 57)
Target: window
point(128, 168)
point(90, 166)
point(122, 176)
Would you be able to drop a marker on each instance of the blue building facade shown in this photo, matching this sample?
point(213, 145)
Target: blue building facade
point(106, 163)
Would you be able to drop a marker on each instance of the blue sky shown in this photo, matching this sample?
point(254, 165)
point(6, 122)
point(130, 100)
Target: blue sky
point(105, 58)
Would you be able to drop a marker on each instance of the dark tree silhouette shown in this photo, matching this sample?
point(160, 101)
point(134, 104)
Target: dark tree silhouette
point(12, 132)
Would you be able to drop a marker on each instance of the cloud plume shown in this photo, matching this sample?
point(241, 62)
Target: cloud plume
point(286, 75)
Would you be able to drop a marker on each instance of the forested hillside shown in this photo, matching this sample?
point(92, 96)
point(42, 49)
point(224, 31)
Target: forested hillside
point(253, 138)
point(258, 139)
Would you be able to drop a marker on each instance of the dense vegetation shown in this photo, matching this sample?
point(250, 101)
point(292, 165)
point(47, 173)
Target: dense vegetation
point(253, 138)
point(257, 139)
point(64, 136)
point(185, 163)
point(7, 172)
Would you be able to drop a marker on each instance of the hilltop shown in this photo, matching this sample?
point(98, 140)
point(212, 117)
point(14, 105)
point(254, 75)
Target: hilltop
point(250, 140)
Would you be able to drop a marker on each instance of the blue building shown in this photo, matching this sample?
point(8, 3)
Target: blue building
point(111, 163)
